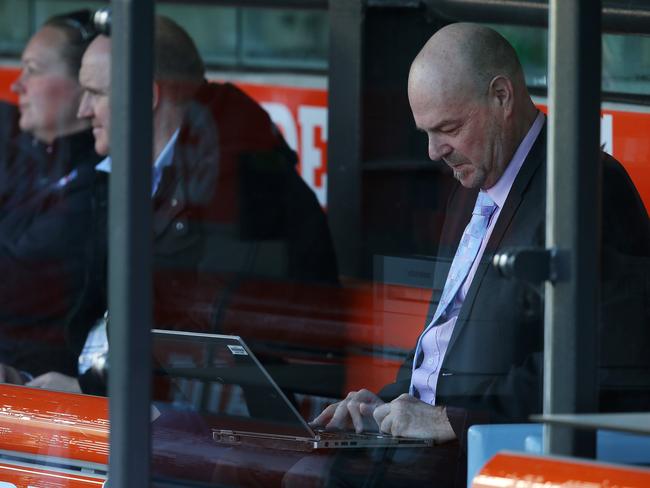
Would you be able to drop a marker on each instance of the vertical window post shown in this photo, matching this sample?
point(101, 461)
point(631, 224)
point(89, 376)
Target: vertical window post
point(572, 227)
point(130, 243)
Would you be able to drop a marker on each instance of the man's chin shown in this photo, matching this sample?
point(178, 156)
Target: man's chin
point(467, 178)
point(101, 149)
point(24, 124)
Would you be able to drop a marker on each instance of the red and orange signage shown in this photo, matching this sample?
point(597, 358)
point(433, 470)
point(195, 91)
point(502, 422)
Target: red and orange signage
point(301, 115)
point(17, 476)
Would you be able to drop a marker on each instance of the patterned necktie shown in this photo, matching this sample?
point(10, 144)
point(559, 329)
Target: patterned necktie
point(467, 250)
point(466, 253)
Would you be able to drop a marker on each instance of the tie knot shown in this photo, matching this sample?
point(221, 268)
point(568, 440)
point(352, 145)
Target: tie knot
point(484, 205)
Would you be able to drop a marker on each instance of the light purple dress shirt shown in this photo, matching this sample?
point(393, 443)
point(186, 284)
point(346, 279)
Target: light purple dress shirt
point(434, 340)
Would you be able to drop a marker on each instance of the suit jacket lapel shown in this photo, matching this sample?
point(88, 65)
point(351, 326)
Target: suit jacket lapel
point(535, 159)
point(168, 200)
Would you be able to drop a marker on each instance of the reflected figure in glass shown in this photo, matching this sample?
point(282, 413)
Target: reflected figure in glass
point(52, 253)
point(235, 229)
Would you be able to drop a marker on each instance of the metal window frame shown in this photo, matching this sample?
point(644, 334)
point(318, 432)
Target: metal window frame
point(130, 270)
point(618, 16)
point(129, 276)
point(573, 178)
point(573, 220)
point(301, 4)
point(345, 131)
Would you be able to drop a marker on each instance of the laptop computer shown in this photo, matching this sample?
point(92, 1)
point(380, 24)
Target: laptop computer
point(220, 377)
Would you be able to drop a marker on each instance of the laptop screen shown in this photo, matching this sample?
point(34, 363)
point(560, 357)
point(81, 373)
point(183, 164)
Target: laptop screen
point(219, 377)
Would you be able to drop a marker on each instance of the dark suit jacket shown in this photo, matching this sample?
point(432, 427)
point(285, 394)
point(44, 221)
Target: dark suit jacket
point(233, 183)
point(492, 370)
point(51, 257)
point(230, 209)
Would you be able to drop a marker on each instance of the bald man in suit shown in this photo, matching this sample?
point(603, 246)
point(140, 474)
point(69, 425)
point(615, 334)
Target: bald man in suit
point(480, 358)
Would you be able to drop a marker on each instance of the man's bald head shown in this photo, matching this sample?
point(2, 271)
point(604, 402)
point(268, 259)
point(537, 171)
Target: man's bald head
point(178, 73)
point(467, 57)
point(468, 94)
point(95, 80)
point(177, 60)
point(98, 54)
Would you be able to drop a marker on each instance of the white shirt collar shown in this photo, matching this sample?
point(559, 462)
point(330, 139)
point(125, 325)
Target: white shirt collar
point(499, 192)
point(163, 160)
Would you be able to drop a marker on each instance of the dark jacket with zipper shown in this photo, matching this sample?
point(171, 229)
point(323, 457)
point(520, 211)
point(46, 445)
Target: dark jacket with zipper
point(52, 246)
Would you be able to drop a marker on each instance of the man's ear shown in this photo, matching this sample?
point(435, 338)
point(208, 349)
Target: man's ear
point(501, 92)
point(156, 95)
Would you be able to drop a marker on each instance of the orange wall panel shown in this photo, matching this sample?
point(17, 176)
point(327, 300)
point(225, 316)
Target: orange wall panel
point(49, 423)
point(14, 476)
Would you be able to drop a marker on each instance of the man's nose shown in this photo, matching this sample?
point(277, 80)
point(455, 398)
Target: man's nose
point(17, 86)
point(84, 110)
point(438, 149)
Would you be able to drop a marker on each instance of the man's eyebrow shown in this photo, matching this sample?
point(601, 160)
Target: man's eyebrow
point(439, 125)
point(92, 88)
point(446, 122)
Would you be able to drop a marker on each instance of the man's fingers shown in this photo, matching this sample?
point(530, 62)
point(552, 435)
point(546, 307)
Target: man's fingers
point(325, 416)
point(354, 409)
point(340, 418)
point(380, 413)
point(40, 381)
point(386, 425)
point(10, 375)
point(56, 381)
point(367, 409)
point(36, 382)
point(361, 406)
point(5, 374)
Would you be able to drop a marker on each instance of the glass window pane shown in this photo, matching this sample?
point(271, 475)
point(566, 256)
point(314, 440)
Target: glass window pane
point(241, 247)
point(626, 58)
point(214, 29)
point(626, 64)
point(44, 9)
point(285, 37)
point(14, 25)
point(531, 46)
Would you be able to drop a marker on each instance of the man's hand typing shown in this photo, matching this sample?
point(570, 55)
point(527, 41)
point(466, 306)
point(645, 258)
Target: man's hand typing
point(406, 416)
point(11, 375)
point(56, 381)
point(354, 412)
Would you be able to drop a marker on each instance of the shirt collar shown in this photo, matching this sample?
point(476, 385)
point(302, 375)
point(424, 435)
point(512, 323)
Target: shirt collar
point(163, 160)
point(104, 165)
point(499, 192)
